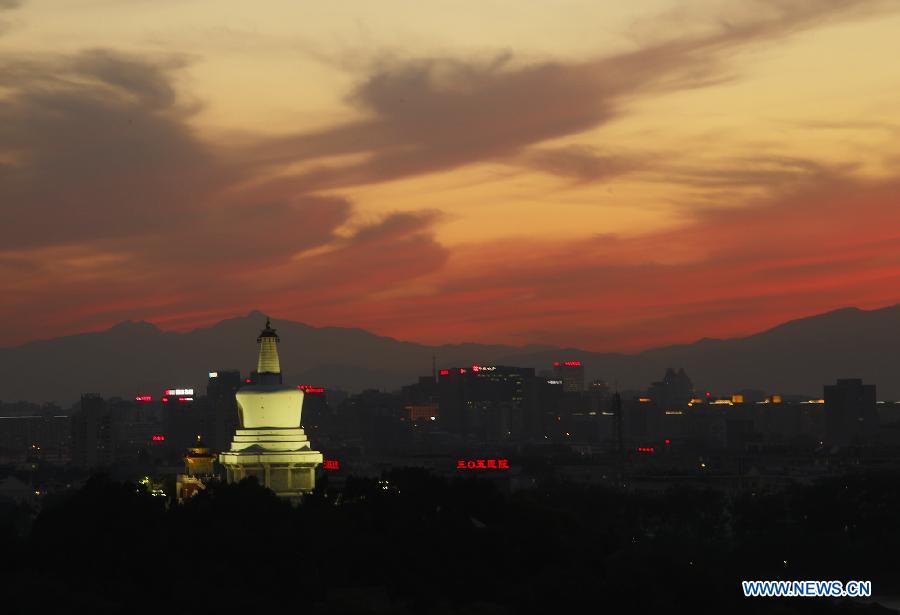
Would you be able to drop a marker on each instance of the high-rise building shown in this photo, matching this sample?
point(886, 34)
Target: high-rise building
point(134, 423)
point(221, 413)
point(599, 395)
point(487, 402)
point(270, 444)
point(850, 416)
point(675, 390)
point(572, 375)
point(181, 419)
point(92, 433)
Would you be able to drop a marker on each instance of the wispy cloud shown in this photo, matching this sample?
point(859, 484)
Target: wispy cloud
point(434, 114)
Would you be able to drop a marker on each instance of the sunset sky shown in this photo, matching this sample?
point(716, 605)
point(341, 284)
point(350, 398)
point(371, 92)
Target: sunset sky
point(607, 175)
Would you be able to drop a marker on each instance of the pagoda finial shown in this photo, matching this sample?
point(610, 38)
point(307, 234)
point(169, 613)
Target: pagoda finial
point(268, 367)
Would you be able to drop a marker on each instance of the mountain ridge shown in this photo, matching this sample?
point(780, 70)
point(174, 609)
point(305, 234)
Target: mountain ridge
point(137, 357)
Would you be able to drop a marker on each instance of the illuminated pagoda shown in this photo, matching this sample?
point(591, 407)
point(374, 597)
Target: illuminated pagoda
point(198, 470)
point(270, 444)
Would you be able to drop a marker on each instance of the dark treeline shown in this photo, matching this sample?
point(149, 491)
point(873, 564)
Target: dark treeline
point(414, 543)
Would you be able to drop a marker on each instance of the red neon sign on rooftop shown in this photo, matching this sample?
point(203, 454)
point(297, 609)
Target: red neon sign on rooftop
point(445, 372)
point(143, 398)
point(158, 438)
point(308, 388)
point(331, 464)
point(482, 464)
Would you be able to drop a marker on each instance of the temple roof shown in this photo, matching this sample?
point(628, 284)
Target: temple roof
point(199, 449)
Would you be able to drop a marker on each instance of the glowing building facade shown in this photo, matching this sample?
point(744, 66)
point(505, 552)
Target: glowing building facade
point(270, 443)
point(198, 470)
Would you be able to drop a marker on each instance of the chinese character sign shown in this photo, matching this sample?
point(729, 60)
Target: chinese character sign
point(482, 464)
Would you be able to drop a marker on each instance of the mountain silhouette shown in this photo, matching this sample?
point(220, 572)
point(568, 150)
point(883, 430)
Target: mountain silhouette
point(134, 358)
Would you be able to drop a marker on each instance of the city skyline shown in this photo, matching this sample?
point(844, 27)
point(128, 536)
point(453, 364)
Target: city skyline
point(132, 358)
point(449, 174)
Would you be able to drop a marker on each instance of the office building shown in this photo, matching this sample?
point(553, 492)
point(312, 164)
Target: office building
point(487, 402)
point(572, 375)
point(850, 416)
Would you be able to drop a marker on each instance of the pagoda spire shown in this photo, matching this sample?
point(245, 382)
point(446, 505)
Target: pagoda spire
point(268, 366)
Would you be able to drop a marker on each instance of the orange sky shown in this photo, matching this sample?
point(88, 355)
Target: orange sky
point(576, 173)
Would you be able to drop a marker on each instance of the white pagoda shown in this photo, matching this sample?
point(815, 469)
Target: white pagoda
point(270, 443)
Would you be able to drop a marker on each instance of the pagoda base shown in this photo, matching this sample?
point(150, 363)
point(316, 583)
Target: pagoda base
point(279, 459)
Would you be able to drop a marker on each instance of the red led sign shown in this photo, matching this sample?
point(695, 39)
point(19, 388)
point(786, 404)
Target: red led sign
point(165, 400)
point(143, 398)
point(331, 464)
point(645, 449)
point(158, 438)
point(308, 388)
point(445, 372)
point(482, 464)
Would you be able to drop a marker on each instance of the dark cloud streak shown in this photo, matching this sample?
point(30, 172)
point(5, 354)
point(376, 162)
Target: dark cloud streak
point(436, 114)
